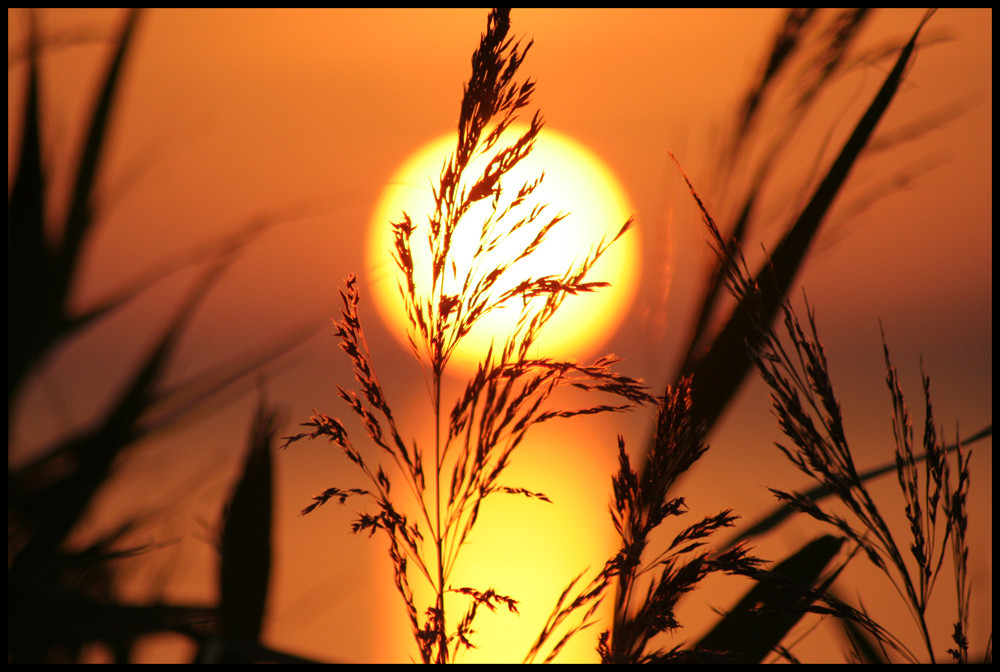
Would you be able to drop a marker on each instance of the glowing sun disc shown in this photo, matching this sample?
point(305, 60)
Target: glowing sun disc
point(575, 182)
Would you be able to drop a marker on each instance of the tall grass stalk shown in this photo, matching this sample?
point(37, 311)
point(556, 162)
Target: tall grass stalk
point(474, 441)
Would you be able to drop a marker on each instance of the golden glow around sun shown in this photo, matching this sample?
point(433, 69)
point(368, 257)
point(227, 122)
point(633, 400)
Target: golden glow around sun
point(575, 182)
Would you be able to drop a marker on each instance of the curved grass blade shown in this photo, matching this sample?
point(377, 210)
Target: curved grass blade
point(765, 615)
point(717, 375)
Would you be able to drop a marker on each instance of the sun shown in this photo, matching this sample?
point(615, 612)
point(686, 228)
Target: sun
point(575, 182)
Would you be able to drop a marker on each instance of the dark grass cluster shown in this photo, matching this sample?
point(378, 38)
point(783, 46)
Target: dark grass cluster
point(65, 595)
point(793, 363)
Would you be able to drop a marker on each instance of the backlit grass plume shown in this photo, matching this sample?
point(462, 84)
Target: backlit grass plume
point(509, 393)
point(809, 414)
point(712, 370)
point(650, 582)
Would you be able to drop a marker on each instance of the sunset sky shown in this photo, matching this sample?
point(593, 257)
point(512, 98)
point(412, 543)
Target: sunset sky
point(303, 116)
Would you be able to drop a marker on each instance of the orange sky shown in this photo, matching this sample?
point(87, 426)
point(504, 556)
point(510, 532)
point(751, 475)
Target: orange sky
point(228, 114)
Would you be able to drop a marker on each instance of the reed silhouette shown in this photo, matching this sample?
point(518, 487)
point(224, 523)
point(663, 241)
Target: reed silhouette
point(510, 392)
point(426, 499)
point(63, 597)
point(715, 366)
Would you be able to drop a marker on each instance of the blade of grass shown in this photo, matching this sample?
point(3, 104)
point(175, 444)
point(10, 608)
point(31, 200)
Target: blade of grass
point(27, 255)
point(245, 562)
point(232, 242)
point(40, 274)
point(716, 286)
point(53, 500)
point(79, 217)
point(764, 616)
point(208, 390)
point(717, 375)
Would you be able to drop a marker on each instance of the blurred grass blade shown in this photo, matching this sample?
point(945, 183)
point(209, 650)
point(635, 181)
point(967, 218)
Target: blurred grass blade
point(231, 242)
point(79, 217)
point(791, 40)
point(786, 43)
point(795, 37)
point(717, 283)
point(245, 563)
point(780, 513)
point(40, 273)
point(69, 619)
point(863, 645)
point(718, 374)
point(207, 391)
point(51, 498)
point(765, 615)
point(30, 307)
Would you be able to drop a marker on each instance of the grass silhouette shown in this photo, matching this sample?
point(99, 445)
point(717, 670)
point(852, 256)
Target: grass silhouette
point(473, 442)
point(642, 500)
point(427, 498)
point(61, 598)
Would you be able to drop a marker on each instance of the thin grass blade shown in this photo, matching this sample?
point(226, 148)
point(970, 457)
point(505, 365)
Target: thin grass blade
point(231, 243)
point(782, 512)
point(79, 217)
point(31, 308)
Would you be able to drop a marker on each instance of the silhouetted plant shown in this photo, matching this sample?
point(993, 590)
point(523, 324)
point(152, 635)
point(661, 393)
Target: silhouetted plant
point(709, 376)
point(475, 440)
point(61, 598)
point(504, 397)
point(809, 414)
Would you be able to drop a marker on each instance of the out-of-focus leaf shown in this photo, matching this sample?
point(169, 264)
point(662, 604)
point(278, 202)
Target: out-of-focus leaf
point(79, 217)
point(787, 42)
point(862, 643)
point(245, 563)
point(206, 391)
point(58, 600)
point(79, 620)
point(757, 624)
point(51, 618)
point(231, 243)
